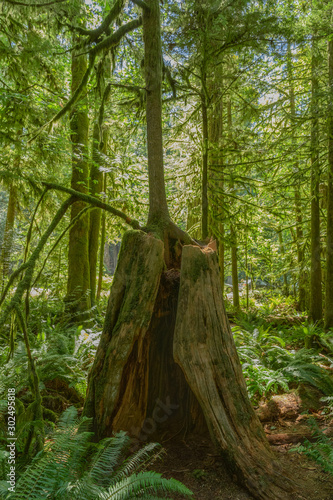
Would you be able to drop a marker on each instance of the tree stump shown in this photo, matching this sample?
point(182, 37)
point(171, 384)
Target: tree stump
point(167, 363)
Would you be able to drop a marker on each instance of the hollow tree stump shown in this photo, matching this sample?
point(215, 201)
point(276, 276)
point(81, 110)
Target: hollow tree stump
point(205, 350)
point(167, 361)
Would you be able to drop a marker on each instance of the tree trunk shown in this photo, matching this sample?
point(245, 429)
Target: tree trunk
point(9, 230)
point(96, 187)
point(282, 251)
point(158, 208)
point(204, 181)
point(205, 350)
point(234, 268)
point(297, 195)
point(78, 283)
point(329, 257)
point(316, 291)
point(101, 250)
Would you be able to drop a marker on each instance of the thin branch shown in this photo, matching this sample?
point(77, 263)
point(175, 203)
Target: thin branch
point(24, 4)
point(96, 202)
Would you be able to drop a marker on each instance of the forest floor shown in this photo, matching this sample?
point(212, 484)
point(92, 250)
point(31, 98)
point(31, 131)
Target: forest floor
point(197, 465)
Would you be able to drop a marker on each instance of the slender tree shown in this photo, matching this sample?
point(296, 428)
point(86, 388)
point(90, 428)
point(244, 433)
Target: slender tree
point(316, 312)
point(329, 255)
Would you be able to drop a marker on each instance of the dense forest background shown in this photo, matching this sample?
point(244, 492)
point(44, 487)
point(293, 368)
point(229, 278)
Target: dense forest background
point(247, 121)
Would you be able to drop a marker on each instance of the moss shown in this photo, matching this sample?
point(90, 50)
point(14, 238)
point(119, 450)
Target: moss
point(49, 415)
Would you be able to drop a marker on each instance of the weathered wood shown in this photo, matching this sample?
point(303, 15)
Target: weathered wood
point(118, 381)
point(205, 350)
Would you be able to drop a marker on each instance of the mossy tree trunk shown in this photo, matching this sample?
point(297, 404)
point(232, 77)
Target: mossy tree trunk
point(78, 283)
point(158, 315)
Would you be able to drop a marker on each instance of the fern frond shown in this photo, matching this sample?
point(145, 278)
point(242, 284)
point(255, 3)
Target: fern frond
point(107, 458)
point(138, 485)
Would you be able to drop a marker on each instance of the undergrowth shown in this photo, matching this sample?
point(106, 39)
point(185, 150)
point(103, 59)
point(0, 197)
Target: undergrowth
point(321, 450)
point(72, 467)
point(271, 366)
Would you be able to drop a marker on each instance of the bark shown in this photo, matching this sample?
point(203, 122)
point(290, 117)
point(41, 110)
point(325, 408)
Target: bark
point(329, 255)
point(205, 350)
point(112, 388)
point(78, 283)
point(158, 209)
point(9, 229)
point(315, 312)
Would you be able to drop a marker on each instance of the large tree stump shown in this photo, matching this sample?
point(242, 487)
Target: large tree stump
point(134, 384)
point(205, 350)
point(155, 316)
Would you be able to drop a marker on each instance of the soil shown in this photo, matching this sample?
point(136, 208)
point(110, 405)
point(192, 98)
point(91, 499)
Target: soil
point(197, 465)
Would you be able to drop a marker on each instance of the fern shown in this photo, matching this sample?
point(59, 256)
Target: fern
point(71, 467)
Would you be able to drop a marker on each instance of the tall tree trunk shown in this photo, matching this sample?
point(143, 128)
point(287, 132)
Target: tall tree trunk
point(233, 234)
point(99, 149)
point(158, 208)
point(297, 195)
point(9, 230)
point(96, 181)
point(329, 255)
point(282, 250)
point(204, 181)
point(101, 249)
point(315, 276)
point(234, 268)
point(215, 135)
point(78, 283)
point(96, 187)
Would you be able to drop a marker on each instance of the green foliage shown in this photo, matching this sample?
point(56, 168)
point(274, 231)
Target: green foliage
point(269, 367)
point(321, 451)
point(72, 467)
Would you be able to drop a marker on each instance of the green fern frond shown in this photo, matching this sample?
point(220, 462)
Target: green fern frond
point(138, 485)
point(107, 458)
